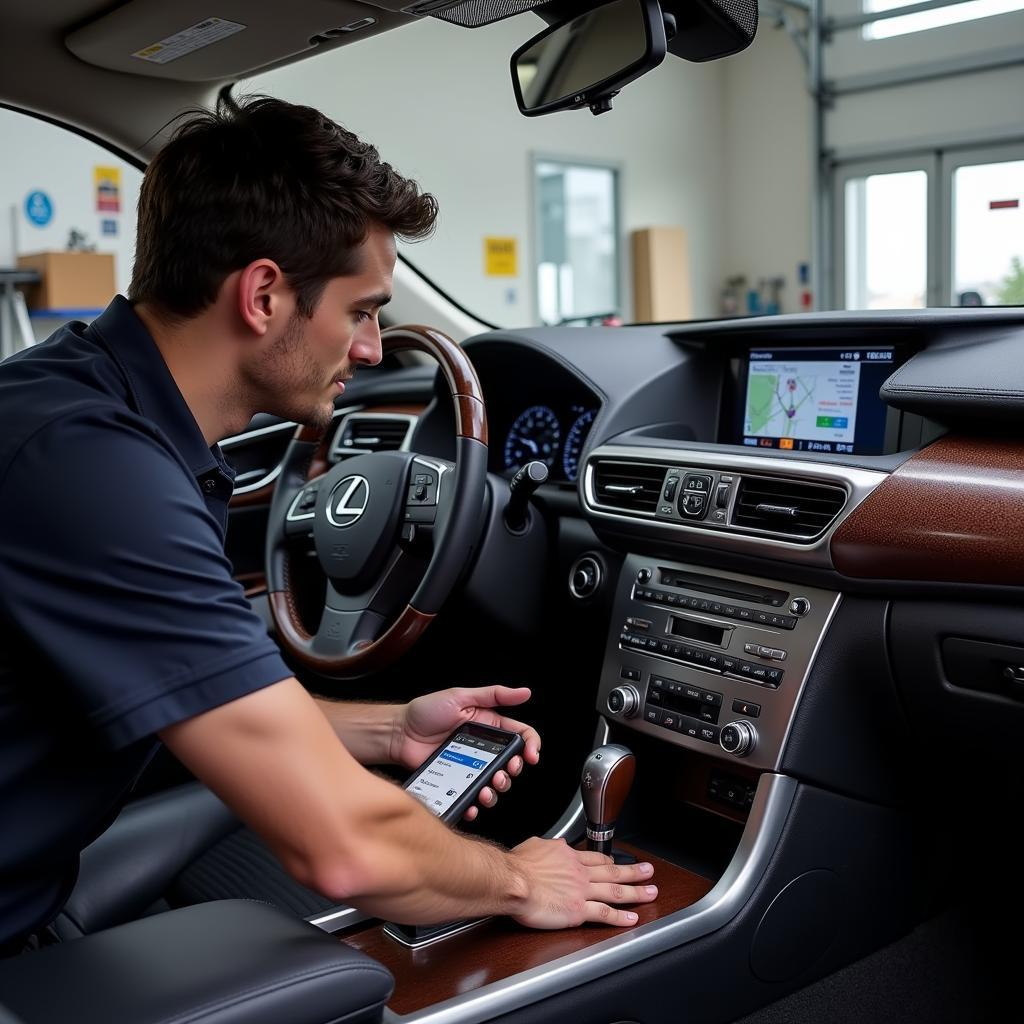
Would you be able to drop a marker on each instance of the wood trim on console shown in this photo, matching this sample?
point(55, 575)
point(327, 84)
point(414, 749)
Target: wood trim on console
point(499, 948)
point(950, 513)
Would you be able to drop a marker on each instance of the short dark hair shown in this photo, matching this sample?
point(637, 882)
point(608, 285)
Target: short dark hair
point(262, 178)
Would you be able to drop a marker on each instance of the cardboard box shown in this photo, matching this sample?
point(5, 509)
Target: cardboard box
point(661, 275)
point(70, 280)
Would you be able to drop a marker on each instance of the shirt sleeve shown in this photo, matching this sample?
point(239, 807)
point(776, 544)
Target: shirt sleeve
point(113, 569)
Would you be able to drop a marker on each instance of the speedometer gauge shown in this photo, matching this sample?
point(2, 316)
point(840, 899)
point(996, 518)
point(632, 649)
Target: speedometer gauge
point(574, 444)
point(536, 434)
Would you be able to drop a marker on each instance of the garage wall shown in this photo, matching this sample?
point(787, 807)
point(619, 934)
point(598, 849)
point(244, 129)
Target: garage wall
point(768, 110)
point(40, 156)
point(666, 133)
point(980, 103)
point(768, 163)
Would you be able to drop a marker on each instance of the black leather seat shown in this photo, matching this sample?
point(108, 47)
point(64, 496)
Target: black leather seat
point(176, 848)
point(233, 962)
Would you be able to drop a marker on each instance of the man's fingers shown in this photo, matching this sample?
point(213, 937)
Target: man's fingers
point(515, 766)
point(531, 738)
point(493, 696)
point(625, 873)
point(612, 892)
point(591, 858)
point(601, 913)
point(488, 798)
point(501, 782)
point(471, 814)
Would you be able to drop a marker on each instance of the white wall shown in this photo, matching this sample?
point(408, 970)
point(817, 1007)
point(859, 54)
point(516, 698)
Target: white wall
point(768, 163)
point(768, 110)
point(40, 156)
point(462, 137)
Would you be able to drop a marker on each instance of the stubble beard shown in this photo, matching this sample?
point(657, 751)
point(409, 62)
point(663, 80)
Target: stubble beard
point(288, 361)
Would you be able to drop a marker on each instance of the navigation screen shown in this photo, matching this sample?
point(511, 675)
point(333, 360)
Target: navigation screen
point(453, 771)
point(816, 400)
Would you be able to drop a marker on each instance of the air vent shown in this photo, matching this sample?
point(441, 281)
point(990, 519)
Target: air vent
point(364, 432)
point(633, 486)
point(789, 507)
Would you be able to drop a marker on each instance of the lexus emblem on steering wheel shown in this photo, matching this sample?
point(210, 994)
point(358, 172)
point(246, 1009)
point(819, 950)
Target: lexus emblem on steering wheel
point(348, 501)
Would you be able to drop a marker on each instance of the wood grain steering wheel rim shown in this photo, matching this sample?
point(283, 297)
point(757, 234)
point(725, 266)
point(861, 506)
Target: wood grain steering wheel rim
point(348, 642)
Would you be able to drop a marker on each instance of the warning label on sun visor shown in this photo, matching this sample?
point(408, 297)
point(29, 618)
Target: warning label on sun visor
point(188, 40)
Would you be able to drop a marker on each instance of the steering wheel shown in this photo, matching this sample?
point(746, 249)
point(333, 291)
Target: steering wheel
point(392, 530)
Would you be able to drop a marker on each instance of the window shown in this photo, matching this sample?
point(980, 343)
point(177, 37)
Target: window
point(886, 217)
point(951, 15)
point(577, 241)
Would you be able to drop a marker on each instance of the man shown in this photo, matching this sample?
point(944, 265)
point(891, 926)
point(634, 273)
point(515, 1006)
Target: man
point(266, 246)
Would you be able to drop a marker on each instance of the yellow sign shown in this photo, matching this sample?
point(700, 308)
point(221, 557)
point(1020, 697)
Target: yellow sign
point(107, 182)
point(500, 257)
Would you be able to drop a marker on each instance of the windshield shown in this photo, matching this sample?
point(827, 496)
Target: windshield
point(856, 158)
point(696, 195)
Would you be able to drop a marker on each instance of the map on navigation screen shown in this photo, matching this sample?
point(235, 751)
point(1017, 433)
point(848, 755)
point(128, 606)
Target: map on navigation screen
point(812, 400)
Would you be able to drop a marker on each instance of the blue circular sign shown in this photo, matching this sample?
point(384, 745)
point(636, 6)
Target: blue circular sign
point(39, 208)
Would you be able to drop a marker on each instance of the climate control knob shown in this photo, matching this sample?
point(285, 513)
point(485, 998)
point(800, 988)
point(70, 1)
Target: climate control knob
point(738, 738)
point(643, 576)
point(624, 700)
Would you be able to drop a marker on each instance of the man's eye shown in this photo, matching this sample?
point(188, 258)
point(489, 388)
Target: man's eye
point(362, 316)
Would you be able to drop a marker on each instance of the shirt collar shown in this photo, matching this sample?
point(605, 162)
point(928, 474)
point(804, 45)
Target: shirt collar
point(153, 389)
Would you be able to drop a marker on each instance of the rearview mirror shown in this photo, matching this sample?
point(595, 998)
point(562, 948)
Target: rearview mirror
point(585, 61)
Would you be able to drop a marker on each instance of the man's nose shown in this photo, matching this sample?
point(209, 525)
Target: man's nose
point(366, 345)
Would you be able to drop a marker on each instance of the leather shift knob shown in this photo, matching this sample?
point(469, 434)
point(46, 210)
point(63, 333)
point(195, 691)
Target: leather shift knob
point(607, 777)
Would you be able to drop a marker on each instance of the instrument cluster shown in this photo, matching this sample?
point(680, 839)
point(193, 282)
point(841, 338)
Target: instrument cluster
point(554, 437)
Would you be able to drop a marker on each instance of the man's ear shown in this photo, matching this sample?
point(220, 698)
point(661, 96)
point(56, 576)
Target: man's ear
point(261, 295)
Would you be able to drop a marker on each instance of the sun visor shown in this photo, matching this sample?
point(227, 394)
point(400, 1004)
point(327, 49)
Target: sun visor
point(185, 42)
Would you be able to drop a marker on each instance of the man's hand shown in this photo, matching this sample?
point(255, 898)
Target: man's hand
point(568, 887)
point(424, 724)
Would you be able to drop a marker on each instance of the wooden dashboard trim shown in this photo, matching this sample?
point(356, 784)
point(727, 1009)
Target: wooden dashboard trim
point(951, 513)
point(499, 948)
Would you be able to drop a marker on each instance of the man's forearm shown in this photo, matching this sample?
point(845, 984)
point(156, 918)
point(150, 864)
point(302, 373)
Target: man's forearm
point(408, 866)
point(366, 729)
point(357, 838)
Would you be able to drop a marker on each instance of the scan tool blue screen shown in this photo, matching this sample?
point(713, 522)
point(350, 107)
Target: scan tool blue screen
point(453, 771)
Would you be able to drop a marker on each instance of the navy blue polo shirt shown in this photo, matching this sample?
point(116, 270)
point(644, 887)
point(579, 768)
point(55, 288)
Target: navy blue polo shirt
point(118, 612)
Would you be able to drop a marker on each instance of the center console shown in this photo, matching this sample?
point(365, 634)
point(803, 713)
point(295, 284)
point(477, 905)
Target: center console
point(711, 661)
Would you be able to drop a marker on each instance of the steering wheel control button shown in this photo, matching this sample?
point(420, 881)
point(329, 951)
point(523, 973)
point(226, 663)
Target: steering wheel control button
point(738, 738)
point(745, 707)
point(624, 701)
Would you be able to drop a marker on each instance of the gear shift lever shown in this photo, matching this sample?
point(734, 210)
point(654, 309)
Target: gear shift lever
point(607, 777)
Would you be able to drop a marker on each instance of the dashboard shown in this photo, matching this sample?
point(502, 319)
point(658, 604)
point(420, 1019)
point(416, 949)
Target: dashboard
point(550, 433)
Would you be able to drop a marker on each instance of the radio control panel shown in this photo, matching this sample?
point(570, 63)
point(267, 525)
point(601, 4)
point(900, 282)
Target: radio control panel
point(710, 660)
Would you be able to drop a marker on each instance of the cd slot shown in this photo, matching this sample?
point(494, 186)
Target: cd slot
point(723, 587)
